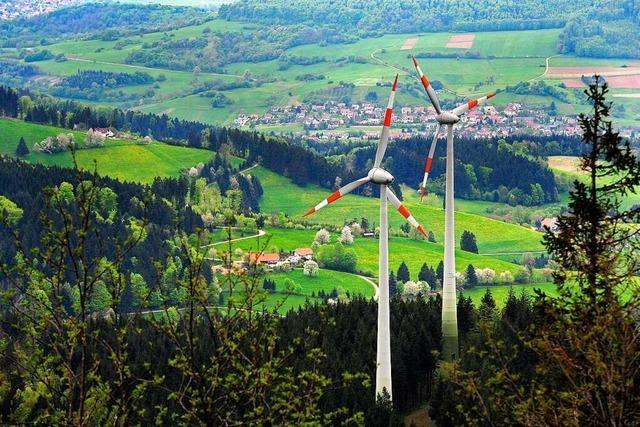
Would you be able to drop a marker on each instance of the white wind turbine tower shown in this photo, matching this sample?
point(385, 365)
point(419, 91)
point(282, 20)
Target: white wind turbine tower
point(447, 118)
point(381, 177)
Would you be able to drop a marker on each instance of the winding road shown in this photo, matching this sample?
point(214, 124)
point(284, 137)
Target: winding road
point(260, 234)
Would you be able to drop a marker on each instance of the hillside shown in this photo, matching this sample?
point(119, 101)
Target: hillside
point(280, 195)
point(127, 160)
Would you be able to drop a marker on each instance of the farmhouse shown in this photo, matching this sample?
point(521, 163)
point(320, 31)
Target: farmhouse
point(550, 223)
point(304, 253)
point(107, 133)
point(259, 258)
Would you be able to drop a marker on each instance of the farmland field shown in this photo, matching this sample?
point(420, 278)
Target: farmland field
point(503, 58)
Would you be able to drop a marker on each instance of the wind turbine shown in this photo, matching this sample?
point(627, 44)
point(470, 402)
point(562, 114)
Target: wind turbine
point(447, 118)
point(381, 177)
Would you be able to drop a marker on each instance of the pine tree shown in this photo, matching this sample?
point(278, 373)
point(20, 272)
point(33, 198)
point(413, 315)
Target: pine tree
point(487, 308)
point(472, 278)
point(403, 273)
point(423, 275)
point(468, 242)
point(440, 272)
point(393, 286)
point(22, 150)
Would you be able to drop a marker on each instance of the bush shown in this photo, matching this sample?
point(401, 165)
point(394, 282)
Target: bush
point(506, 277)
point(486, 276)
point(337, 257)
point(523, 276)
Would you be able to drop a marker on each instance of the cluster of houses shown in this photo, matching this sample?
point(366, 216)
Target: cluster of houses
point(337, 120)
point(13, 9)
point(270, 261)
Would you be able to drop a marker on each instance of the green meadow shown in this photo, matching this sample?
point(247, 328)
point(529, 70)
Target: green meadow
point(493, 236)
point(122, 159)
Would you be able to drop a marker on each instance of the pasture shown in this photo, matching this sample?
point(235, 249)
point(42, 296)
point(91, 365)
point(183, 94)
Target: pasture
point(493, 236)
point(413, 252)
point(123, 159)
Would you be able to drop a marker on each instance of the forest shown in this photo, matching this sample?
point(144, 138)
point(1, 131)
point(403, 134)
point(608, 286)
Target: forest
point(604, 36)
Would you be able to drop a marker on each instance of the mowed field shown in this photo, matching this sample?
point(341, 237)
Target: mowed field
point(494, 237)
point(505, 58)
point(122, 159)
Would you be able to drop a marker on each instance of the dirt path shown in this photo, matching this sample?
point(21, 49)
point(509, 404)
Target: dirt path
point(249, 168)
point(371, 282)
point(546, 68)
point(513, 253)
point(260, 234)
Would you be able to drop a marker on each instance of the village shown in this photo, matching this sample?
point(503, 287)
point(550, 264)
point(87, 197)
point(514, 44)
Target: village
point(13, 9)
point(338, 121)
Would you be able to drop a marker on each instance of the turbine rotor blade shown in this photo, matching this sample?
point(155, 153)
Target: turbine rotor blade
point(344, 190)
point(461, 109)
point(429, 162)
point(431, 93)
point(404, 212)
point(386, 125)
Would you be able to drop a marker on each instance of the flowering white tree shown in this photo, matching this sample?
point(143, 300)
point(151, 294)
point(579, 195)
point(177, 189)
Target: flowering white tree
point(310, 268)
point(94, 139)
point(412, 289)
point(486, 276)
point(346, 238)
point(356, 229)
point(54, 144)
point(322, 236)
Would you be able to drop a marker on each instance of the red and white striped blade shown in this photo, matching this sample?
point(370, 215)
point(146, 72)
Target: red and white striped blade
point(429, 162)
point(337, 194)
point(386, 125)
point(404, 212)
point(431, 93)
point(461, 109)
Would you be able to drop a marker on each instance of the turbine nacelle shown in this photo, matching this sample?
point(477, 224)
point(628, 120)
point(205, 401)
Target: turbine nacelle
point(380, 176)
point(447, 118)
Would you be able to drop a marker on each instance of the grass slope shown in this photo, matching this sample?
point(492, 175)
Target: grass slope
point(413, 252)
point(493, 236)
point(120, 159)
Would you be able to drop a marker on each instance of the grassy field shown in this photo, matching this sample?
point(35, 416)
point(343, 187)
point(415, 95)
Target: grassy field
point(326, 281)
point(569, 166)
point(493, 236)
point(413, 252)
point(122, 159)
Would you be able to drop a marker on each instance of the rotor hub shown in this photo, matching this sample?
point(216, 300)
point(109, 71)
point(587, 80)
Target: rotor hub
point(380, 176)
point(447, 118)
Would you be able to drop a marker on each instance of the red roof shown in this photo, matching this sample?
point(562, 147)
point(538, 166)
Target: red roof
point(304, 251)
point(259, 258)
